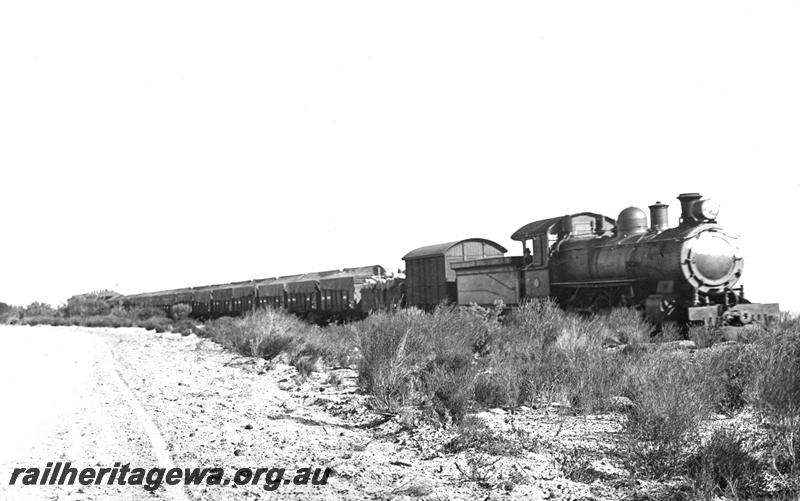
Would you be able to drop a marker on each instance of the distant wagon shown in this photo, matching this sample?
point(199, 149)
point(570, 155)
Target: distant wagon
point(341, 293)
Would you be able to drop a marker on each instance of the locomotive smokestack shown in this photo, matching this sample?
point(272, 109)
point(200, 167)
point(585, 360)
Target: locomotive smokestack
point(687, 200)
point(659, 220)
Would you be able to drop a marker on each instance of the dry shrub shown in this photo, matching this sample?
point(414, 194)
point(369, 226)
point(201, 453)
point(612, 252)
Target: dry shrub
point(670, 397)
point(267, 333)
point(776, 395)
point(626, 326)
point(145, 313)
point(536, 323)
point(44, 320)
point(86, 321)
point(668, 331)
point(305, 364)
point(723, 467)
point(386, 365)
point(105, 321)
point(446, 385)
point(37, 309)
point(455, 357)
point(581, 334)
point(410, 357)
point(180, 311)
point(158, 324)
point(472, 434)
point(522, 364)
point(337, 344)
point(593, 377)
point(184, 327)
point(263, 333)
point(730, 372)
point(88, 306)
point(705, 336)
point(543, 354)
point(500, 385)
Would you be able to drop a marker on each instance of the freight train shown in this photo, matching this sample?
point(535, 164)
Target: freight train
point(324, 296)
point(585, 261)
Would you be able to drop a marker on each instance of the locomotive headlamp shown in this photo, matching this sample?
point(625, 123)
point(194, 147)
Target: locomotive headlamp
point(705, 209)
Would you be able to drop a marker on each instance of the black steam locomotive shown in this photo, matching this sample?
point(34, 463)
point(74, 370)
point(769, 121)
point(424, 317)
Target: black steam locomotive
point(585, 261)
point(588, 261)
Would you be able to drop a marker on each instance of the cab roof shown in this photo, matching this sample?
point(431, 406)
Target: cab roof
point(553, 225)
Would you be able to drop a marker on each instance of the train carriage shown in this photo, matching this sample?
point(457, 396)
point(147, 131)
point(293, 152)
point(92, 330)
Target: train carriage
point(269, 292)
point(303, 293)
point(340, 293)
point(383, 293)
point(184, 296)
point(221, 297)
point(201, 302)
point(243, 296)
point(276, 292)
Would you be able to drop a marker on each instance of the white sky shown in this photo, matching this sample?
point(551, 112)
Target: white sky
point(152, 145)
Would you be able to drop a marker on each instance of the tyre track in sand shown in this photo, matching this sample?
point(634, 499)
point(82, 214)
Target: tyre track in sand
point(65, 400)
point(157, 442)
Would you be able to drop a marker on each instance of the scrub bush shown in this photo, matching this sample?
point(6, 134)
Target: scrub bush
point(412, 358)
point(180, 311)
point(776, 395)
point(184, 327)
point(723, 467)
point(158, 324)
point(670, 397)
point(145, 313)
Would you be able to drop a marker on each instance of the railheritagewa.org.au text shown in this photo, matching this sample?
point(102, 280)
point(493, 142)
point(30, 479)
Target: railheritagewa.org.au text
point(64, 473)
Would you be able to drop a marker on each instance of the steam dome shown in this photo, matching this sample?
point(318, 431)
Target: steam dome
point(631, 221)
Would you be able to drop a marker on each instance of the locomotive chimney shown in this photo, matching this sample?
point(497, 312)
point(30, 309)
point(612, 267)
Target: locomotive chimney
point(687, 200)
point(659, 220)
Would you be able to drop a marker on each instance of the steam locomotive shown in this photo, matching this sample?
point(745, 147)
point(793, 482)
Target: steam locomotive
point(585, 261)
point(588, 262)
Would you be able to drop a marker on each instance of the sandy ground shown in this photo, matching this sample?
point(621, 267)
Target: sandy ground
point(99, 396)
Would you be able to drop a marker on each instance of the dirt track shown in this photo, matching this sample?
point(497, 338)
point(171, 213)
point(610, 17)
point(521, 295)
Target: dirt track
point(99, 396)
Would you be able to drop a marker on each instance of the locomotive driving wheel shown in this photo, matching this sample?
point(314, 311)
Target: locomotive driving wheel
point(601, 301)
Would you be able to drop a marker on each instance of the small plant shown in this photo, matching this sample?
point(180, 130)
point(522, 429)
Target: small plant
point(478, 468)
point(575, 465)
point(158, 324)
point(626, 326)
point(263, 333)
point(334, 380)
point(474, 435)
point(731, 370)
point(185, 327)
point(722, 467)
point(776, 395)
point(180, 311)
point(498, 386)
point(145, 313)
point(705, 336)
point(669, 400)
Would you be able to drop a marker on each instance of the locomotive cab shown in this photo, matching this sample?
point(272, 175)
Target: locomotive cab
point(546, 237)
point(513, 279)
